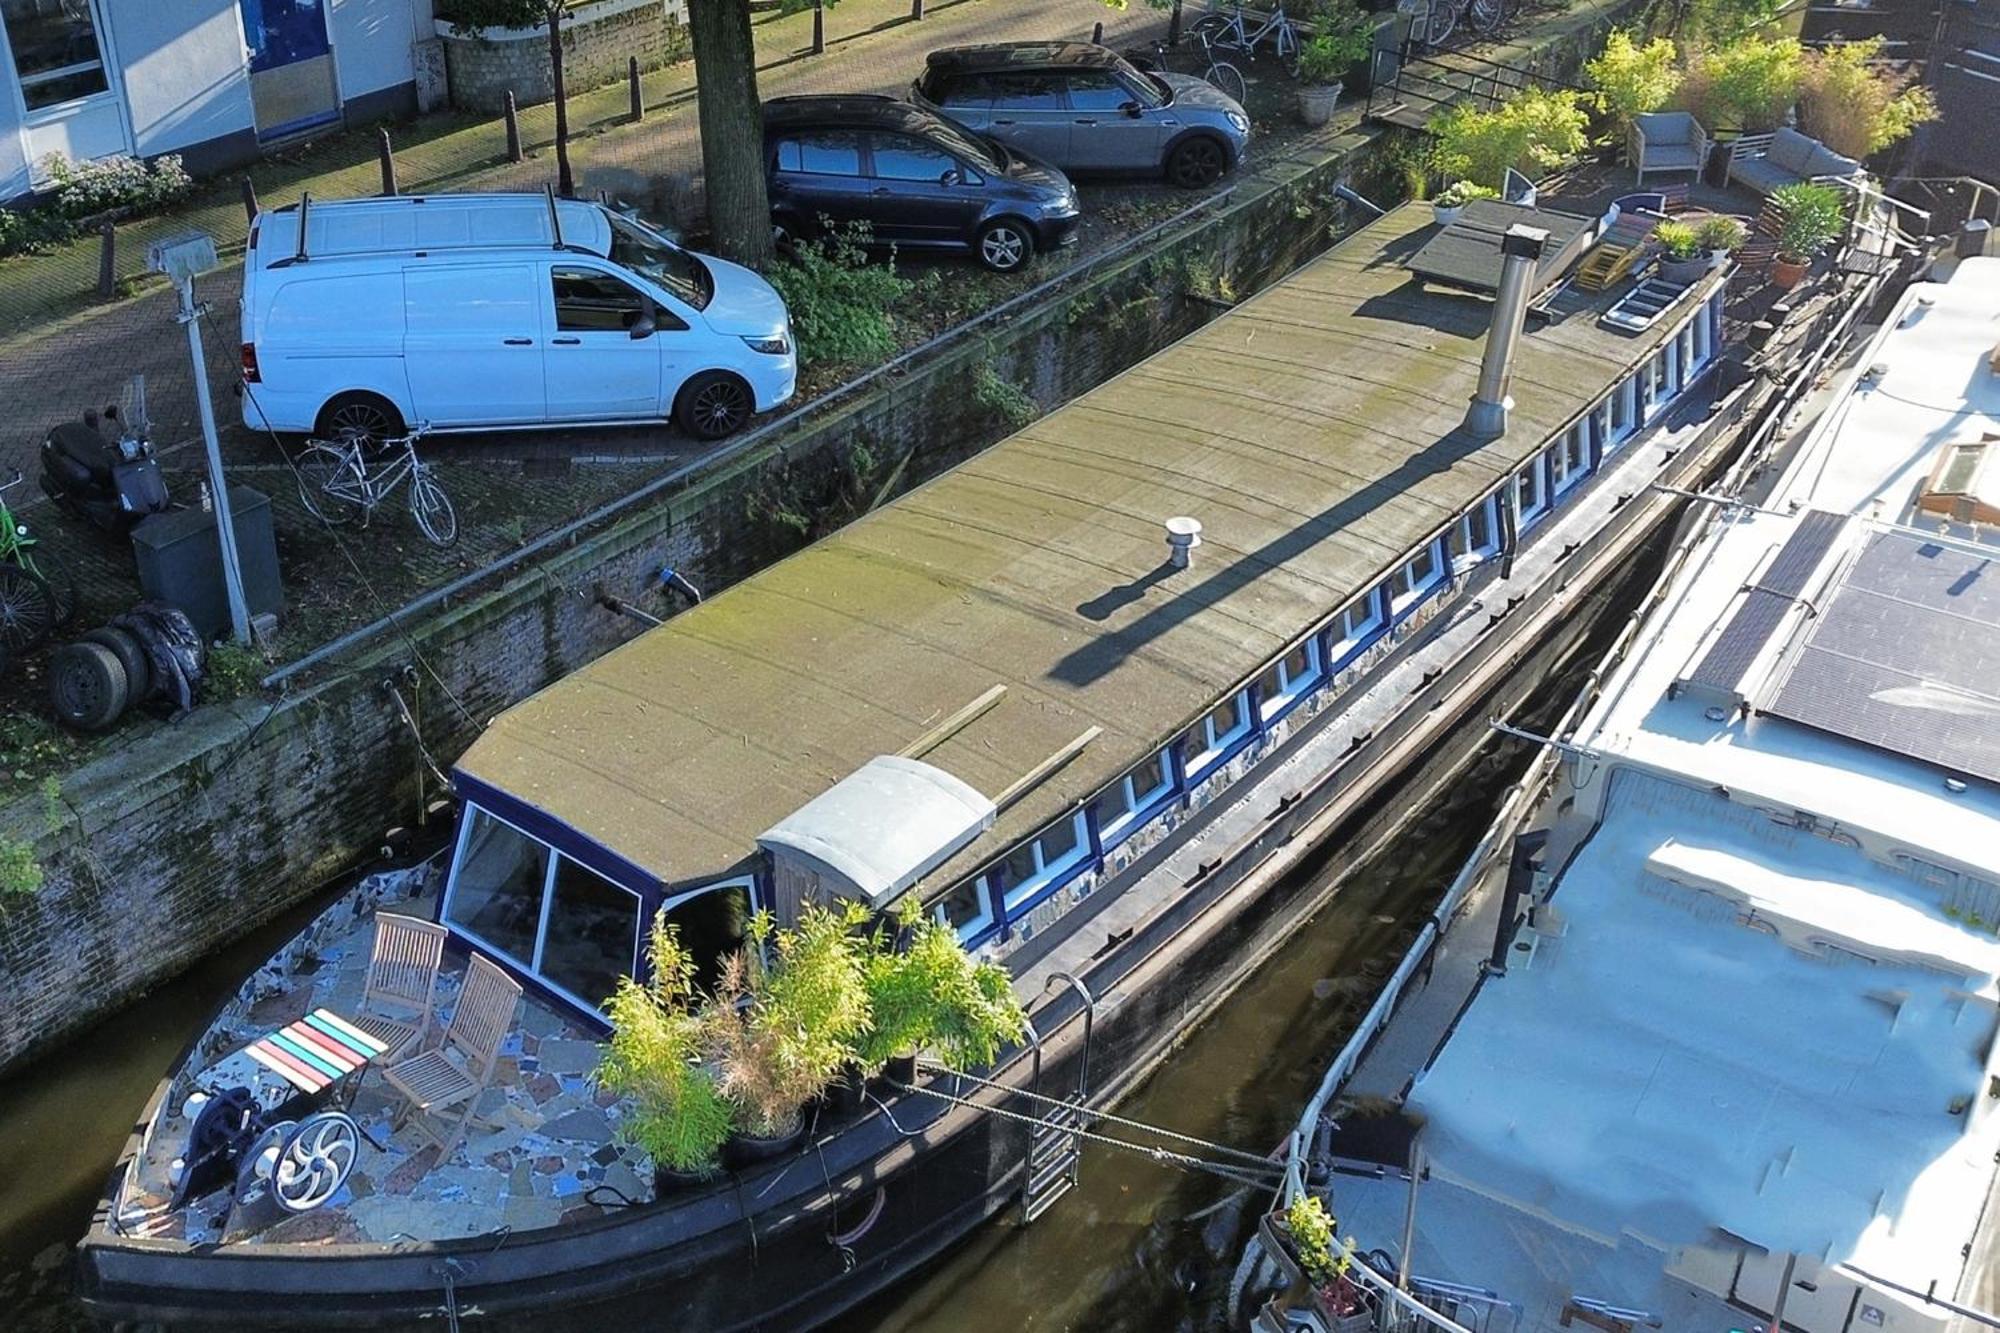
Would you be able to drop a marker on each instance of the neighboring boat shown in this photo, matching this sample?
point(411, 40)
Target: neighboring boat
point(1090, 695)
point(1735, 1064)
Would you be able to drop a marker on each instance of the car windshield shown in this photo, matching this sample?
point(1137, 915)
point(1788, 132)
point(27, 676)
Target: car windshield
point(653, 256)
point(1150, 89)
point(976, 150)
point(1166, 89)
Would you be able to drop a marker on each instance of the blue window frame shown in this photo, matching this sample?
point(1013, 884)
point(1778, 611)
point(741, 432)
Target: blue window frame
point(968, 909)
point(1127, 803)
point(1290, 679)
point(1354, 629)
point(1476, 535)
point(1415, 580)
point(1215, 737)
point(1035, 868)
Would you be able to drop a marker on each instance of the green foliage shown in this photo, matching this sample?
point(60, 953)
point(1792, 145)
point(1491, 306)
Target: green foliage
point(233, 671)
point(1460, 193)
point(31, 749)
point(1720, 232)
point(932, 995)
point(1534, 133)
point(1814, 215)
point(1678, 240)
point(119, 181)
point(1631, 79)
point(20, 872)
point(1747, 84)
point(1002, 399)
point(839, 301)
point(1344, 38)
point(678, 1114)
point(31, 231)
point(1720, 20)
point(55, 810)
point(1311, 1228)
point(1856, 107)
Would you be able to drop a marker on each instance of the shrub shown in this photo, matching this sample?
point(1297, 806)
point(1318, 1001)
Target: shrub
point(1722, 20)
point(1345, 37)
point(86, 188)
point(1460, 193)
point(932, 995)
point(839, 302)
point(1311, 1228)
point(678, 1115)
point(1720, 232)
point(1533, 134)
point(1747, 85)
point(1856, 108)
point(1631, 79)
point(1814, 215)
point(1678, 240)
point(31, 231)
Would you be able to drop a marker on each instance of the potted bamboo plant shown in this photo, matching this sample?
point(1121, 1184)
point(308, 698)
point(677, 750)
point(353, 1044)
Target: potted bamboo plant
point(1813, 216)
point(1681, 258)
point(675, 1111)
point(929, 994)
point(781, 1026)
point(1344, 39)
point(1721, 236)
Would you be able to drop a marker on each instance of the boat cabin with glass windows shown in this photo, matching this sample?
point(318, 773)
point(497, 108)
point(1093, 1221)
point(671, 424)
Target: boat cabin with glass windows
point(1002, 689)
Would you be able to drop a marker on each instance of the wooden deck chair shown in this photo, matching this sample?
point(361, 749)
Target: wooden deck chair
point(1624, 243)
point(397, 1003)
point(452, 1074)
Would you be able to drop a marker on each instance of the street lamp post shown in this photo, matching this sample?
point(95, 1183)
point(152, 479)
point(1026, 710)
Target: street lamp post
point(180, 258)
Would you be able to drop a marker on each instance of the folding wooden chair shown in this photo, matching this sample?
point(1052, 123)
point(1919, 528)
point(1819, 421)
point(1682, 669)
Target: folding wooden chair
point(453, 1073)
point(397, 1003)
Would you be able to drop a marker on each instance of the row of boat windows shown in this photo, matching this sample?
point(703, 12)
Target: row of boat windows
point(1065, 849)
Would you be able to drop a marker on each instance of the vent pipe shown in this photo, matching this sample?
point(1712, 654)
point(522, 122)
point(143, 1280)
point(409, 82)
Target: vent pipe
point(1520, 253)
point(1183, 535)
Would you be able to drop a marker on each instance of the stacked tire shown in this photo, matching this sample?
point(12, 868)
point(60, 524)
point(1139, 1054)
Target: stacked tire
point(151, 652)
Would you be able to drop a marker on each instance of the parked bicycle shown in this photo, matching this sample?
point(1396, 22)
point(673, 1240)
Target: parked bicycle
point(1444, 15)
point(1196, 55)
point(339, 484)
point(37, 596)
point(1233, 29)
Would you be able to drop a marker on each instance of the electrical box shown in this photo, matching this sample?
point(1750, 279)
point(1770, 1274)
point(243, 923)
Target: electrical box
point(180, 561)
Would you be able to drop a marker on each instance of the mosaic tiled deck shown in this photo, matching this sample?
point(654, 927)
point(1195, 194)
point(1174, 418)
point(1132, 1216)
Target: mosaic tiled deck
point(543, 1138)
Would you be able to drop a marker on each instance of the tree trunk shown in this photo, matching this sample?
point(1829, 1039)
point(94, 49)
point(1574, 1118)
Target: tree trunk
point(732, 129)
point(565, 182)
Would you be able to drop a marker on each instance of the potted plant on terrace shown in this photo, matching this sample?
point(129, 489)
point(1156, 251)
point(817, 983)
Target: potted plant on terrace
point(931, 994)
point(1721, 236)
point(1305, 1231)
point(779, 1029)
point(1813, 216)
point(1451, 201)
point(1631, 80)
point(1344, 40)
point(1681, 259)
point(676, 1113)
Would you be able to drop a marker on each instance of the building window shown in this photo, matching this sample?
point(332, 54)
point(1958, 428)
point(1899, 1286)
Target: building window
point(1409, 584)
point(1684, 349)
point(1623, 421)
point(1704, 338)
point(968, 909)
point(1569, 457)
point(1354, 628)
point(1203, 747)
point(56, 57)
point(1123, 805)
point(1531, 494)
point(1288, 678)
point(1044, 859)
point(1653, 384)
point(1477, 535)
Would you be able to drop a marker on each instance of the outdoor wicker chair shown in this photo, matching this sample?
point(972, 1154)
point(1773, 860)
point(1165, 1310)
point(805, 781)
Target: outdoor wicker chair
point(397, 1002)
point(450, 1076)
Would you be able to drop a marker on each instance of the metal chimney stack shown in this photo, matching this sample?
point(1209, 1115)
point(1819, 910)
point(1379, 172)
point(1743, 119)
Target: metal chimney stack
point(1520, 253)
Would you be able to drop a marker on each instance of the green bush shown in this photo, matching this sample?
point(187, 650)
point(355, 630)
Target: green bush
point(1534, 133)
point(678, 1114)
point(839, 301)
point(31, 231)
point(1814, 214)
point(1631, 79)
point(1720, 232)
point(1855, 106)
point(931, 995)
point(1460, 193)
point(1746, 85)
point(1343, 40)
point(1311, 1228)
point(119, 181)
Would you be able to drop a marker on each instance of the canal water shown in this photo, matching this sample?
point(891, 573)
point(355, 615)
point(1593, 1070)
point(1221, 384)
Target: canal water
point(1137, 1245)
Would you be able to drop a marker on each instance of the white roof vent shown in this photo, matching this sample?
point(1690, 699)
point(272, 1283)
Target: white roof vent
point(879, 830)
point(1183, 535)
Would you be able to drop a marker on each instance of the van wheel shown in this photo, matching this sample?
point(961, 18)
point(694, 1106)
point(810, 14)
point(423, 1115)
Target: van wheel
point(1006, 245)
point(712, 404)
point(366, 416)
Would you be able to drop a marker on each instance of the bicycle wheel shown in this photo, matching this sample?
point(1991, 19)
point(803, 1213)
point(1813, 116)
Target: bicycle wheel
point(1228, 79)
point(61, 585)
point(331, 486)
point(1486, 15)
point(431, 507)
point(27, 610)
point(1217, 30)
point(1441, 19)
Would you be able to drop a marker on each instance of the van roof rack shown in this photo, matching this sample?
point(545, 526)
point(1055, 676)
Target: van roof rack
point(299, 256)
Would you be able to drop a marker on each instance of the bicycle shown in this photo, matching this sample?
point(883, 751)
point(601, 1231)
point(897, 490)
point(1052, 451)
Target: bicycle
point(1233, 31)
point(338, 487)
point(1217, 72)
point(37, 596)
point(1443, 17)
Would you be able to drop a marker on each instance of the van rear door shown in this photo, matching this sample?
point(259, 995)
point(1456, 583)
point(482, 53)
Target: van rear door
point(594, 369)
point(472, 342)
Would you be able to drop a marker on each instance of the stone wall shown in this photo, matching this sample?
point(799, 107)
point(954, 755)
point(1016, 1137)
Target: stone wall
point(597, 40)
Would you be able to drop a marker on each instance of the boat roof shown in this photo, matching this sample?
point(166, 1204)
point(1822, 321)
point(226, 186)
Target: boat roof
point(1315, 431)
point(1804, 1062)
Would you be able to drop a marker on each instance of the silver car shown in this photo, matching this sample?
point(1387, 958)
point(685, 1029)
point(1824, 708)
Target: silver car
point(1088, 109)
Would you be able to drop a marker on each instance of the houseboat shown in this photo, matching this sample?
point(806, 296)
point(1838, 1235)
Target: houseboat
point(1089, 696)
point(1707, 1037)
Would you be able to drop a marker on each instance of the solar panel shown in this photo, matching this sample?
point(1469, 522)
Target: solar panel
point(1467, 253)
point(1902, 656)
point(1765, 603)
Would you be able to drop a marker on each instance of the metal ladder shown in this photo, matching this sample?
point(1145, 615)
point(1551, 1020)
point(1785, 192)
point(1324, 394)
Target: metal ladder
point(1055, 1153)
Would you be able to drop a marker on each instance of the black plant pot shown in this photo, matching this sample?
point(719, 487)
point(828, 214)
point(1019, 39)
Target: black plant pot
point(747, 1150)
point(902, 1069)
point(669, 1180)
point(848, 1094)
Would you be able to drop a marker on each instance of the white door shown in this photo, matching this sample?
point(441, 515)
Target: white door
point(472, 344)
point(594, 369)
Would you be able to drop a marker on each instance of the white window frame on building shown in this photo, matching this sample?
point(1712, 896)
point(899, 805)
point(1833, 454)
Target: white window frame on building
point(1569, 457)
point(981, 923)
point(1476, 535)
point(97, 119)
point(1018, 898)
point(1354, 628)
point(1135, 802)
point(1290, 679)
point(1531, 474)
point(1414, 579)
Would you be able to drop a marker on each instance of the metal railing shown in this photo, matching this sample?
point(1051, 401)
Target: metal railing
point(1485, 82)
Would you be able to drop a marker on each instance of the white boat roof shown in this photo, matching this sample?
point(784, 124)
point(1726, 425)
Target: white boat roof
point(882, 827)
point(1802, 1062)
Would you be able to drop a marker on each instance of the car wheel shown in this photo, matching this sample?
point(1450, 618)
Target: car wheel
point(1005, 246)
point(131, 655)
point(365, 415)
point(87, 685)
point(713, 404)
point(1197, 161)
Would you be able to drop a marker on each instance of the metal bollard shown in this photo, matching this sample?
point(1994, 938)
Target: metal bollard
point(513, 129)
point(819, 27)
point(916, 9)
point(1097, 34)
point(107, 263)
point(249, 199)
point(386, 152)
point(632, 77)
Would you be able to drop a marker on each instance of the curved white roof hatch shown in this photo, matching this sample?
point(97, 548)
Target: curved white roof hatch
point(880, 829)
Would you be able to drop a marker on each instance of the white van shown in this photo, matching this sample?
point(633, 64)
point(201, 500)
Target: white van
point(499, 311)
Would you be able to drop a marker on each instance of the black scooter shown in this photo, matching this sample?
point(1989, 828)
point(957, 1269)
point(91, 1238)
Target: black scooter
point(103, 472)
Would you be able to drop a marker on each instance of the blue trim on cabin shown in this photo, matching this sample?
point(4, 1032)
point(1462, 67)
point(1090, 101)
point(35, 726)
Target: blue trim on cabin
point(585, 851)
